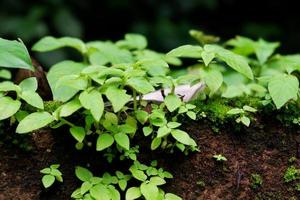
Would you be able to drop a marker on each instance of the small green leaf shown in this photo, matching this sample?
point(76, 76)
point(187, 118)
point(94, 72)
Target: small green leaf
point(100, 192)
point(264, 50)
point(245, 120)
point(157, 180)
point(249, 108)
point(92, 101)
point(235, 111)
point(133, 193)
point(78, 133)
point(149, 191)
point(172, 102)
point(188, 51)
point(122, 140)
point(8, 107)
point(191, 115)
point(83, 174)
point(122, 184)
point(29, 84)
point(32, 98)
point(181, 136)
point(104, 141)
point(140, 84)
point(163, 131)
point(282, 88)
point(48, 180)
point(86, 186)
point(213, 79)
point(117, 97)
point(69, 108)
point(6, 86)
point(49, 43)
point(13, 54)
point(170, 196)
point(207, 57)
point(155, 143)
point(137, 174)
point(141, 116)
point(147, 130)
point(34, 121)
point(133, 41)
point(5, 74)
point(173, 124)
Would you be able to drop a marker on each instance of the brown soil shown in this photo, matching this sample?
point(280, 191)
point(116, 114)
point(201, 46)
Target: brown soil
point(263, 150)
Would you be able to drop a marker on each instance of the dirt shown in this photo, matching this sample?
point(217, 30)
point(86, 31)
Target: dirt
point(263, 149)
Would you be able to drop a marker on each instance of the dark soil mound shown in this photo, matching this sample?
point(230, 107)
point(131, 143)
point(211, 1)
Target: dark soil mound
point(263, 149)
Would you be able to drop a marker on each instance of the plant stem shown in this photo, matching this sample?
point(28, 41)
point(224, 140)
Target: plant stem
point(67, 122)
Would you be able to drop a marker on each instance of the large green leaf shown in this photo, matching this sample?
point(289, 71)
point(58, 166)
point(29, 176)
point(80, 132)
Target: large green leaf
point(92, 101)
point(233, 60)
point(13, 54)
point(34, 121)
point(63, 93)
point(8, 107)
point(50, 43)
point(117, 97)
point(282, 88)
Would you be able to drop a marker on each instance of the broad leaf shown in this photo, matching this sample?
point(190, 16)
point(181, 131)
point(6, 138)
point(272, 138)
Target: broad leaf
point(13, 54)
point(233, 60)
point(133, 193)
point(104, 141)
point(282, 88)
point(188, 51)
point(34, 121)
point(83, 174)
point(50, 43)
point(149, 191)
point(133, 41)
point(70, 107)
point(117, 97)
point(48, 180)
point(78, 133)
point(123, 140)
point(32, 98)
point(63, 93)
point(172, 102)
point(8, 107)
point(140, 84)
point(181, 136)
point(92, 101)
point(29, 84)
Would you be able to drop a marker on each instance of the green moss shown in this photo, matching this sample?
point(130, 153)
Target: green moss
point(51, 106)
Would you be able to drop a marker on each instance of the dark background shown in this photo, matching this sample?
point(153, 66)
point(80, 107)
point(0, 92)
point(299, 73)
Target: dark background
point(165, 23)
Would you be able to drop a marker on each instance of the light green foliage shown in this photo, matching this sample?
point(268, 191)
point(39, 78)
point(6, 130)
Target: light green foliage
point(13, 54)
point(242, 112)
point(220, 158)
point(256, 181)
point(101, 100)
point(51, 174)
point(291, 174)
